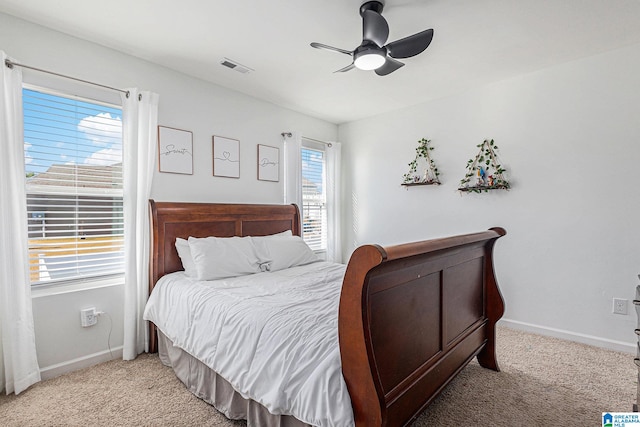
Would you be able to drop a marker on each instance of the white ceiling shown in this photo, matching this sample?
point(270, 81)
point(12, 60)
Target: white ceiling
point(475, 42)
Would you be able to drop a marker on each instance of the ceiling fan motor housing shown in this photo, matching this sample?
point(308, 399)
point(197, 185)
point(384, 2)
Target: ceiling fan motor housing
point(375, 6)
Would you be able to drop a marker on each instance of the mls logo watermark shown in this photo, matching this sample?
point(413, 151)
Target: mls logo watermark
point(620, 419)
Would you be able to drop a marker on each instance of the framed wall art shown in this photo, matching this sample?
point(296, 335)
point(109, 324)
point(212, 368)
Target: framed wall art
point(226, 157)
point(175, 150)
point(268, 163)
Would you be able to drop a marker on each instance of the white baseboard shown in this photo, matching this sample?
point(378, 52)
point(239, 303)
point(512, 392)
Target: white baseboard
point(115, 353)
point(570, 336)
point(79, 363)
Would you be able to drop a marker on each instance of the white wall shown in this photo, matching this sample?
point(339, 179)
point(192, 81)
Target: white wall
point(185, 103)
point(569, 137)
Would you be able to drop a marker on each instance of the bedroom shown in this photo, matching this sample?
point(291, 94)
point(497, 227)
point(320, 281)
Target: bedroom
point(567, 133)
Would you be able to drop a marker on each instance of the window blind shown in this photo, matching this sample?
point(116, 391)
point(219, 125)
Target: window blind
point(314, 199)
point(73, 164)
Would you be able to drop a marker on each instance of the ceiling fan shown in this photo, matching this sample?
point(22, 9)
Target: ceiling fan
point(373, 54)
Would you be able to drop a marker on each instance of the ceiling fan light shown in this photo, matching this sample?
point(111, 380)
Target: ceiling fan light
point(369, 60)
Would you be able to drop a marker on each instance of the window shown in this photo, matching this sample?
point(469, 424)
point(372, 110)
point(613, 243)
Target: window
point(314, 197)
point(73, 163)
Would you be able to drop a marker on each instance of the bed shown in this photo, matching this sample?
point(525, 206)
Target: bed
point(409, 317)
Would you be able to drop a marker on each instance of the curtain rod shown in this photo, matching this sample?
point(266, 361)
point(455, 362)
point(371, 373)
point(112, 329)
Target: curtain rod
point(11, 64)
point(289, 134)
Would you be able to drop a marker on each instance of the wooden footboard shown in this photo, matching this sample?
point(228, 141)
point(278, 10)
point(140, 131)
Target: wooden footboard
point(411, 317)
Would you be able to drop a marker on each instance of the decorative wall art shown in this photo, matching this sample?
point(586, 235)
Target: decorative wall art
point(422, 170)
point(485, 172)
point(268, 163)
point(175, 150)
point(226, 157)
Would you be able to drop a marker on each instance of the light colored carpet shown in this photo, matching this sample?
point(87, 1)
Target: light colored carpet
point(544, 381)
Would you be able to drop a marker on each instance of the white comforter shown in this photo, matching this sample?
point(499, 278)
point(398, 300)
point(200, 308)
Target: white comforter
point(273, 336)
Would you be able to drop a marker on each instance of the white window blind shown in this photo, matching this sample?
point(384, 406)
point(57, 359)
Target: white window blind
point(73, 163)
point(314, 198)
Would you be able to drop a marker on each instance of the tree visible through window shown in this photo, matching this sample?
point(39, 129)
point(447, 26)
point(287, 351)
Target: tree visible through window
point(73, 163)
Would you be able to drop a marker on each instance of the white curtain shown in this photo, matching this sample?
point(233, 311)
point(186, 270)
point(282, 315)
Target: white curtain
point(293, 188)
point(18, 362)
point(334, 231)
point(293, 170)
point(139, 140)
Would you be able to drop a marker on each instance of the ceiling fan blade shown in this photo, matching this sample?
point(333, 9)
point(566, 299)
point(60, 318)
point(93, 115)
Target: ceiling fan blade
point(327, 47)
point(389, 66)
point(410, 46)
point(374, 27)
point(347, 68)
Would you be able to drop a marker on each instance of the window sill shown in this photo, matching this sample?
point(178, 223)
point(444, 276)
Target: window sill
point(40, 291)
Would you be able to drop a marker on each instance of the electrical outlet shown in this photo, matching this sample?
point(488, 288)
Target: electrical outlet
point(88, 317)
point(620, 306)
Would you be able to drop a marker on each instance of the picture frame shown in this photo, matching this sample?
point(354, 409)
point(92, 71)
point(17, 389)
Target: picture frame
point(175, 150)
point(226, 157)
point(268, 163)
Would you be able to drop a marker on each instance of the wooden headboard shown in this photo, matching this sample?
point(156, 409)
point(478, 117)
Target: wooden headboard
point(170, 220)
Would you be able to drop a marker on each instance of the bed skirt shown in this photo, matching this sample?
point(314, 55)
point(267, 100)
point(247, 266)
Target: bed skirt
point(206, 384)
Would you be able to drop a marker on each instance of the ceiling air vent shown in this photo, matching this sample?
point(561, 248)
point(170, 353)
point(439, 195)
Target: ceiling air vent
point(235, 66)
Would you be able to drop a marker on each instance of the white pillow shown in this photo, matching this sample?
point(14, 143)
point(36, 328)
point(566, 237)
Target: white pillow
point(184, 252)
point(221, 257)
point(286, 233)
point(277, 252)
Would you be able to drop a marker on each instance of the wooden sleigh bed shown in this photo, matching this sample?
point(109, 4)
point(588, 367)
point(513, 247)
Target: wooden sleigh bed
point(411, 316)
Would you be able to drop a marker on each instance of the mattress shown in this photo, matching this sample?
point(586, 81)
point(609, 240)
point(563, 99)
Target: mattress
point(272, 336)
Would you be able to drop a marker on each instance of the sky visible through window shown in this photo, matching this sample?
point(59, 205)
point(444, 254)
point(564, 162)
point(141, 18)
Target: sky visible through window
point(73, 166)
point(312, 165)
point(64, 131)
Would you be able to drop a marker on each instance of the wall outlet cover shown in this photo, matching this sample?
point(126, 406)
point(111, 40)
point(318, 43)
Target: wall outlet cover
point(620, 306)
point(88, 317)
